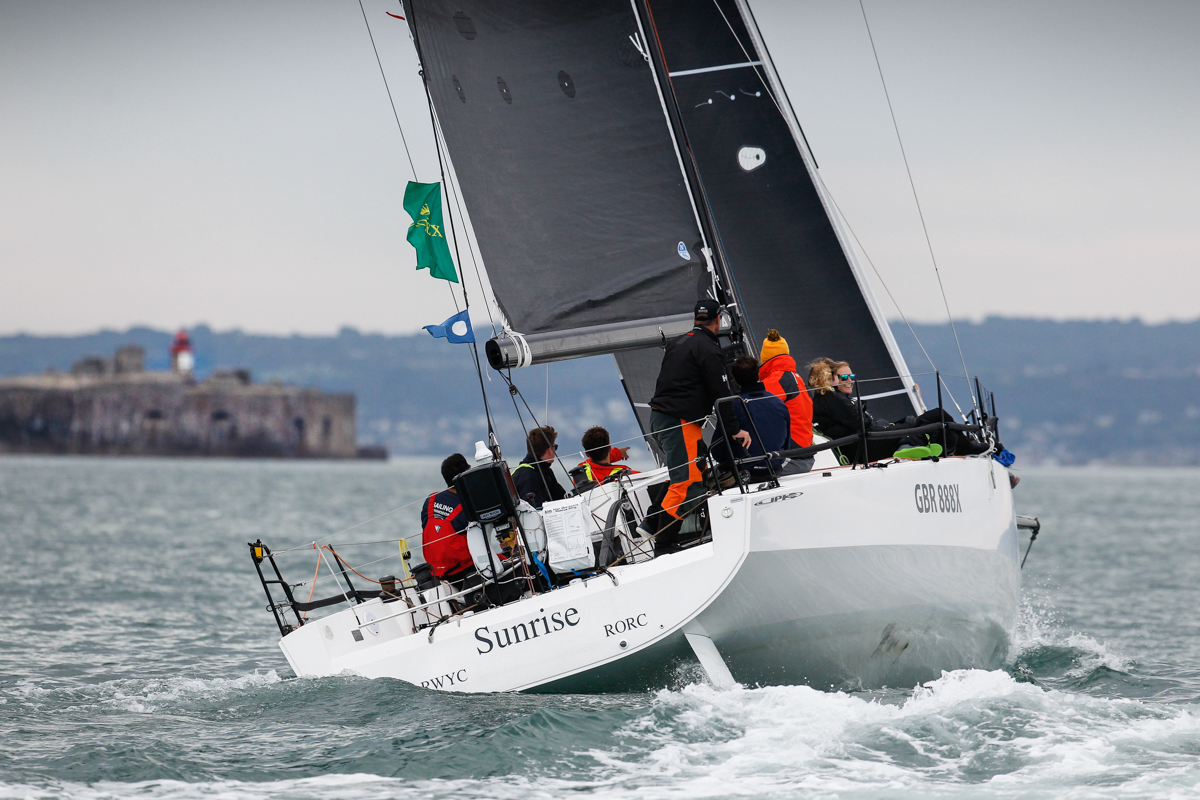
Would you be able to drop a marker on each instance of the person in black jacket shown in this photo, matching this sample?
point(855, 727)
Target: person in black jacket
point(692, 378)
point(534, 476)
point(761, 415)
point(836, 415)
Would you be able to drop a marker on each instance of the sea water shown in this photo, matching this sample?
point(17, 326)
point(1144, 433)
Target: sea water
point(137, 659)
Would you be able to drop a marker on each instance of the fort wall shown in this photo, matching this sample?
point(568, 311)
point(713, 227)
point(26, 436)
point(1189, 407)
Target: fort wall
point(111, 406)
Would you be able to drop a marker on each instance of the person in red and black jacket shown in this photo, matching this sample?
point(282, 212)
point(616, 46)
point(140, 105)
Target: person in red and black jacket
point(599, 466)
point(444, 526)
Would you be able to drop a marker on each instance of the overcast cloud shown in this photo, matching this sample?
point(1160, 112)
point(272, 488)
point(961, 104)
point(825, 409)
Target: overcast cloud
point(238, 164)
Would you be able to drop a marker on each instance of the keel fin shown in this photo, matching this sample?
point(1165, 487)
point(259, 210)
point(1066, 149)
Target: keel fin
point(718, 674)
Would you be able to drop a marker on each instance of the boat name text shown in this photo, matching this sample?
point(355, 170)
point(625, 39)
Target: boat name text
point(623, 625)
point(445, 681)
point(523, 632)
point(942, 497)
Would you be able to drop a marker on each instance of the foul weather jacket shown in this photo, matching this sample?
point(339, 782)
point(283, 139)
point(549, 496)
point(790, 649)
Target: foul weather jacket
point(780, 377)
point(771, 421)
point(535, 481)
point(444, 547)
point(692, 378)
point(836, 414)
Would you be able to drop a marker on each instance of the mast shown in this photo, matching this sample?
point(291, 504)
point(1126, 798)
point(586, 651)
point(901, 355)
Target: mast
point(723, 287)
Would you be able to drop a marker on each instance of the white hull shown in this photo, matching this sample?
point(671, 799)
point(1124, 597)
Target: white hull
point(839, 577)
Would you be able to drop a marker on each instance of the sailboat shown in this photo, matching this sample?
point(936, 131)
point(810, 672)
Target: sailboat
point(620, 159)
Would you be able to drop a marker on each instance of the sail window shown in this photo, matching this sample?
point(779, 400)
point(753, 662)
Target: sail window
point(751, 158)
point(465, 26)
point(566, 84)
point(504, 92)
point(458, 88)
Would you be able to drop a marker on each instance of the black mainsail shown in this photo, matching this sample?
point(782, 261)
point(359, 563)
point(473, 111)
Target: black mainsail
point(555, 129)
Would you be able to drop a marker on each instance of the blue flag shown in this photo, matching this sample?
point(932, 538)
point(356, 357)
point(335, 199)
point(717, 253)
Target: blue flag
point(457, 329)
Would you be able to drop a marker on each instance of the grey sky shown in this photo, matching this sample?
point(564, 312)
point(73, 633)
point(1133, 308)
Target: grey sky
point(237, 163)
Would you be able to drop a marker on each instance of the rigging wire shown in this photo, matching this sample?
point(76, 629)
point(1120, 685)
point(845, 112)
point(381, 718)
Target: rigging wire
point(395, 113)
point(515, 392)
point(912, 185)
point(310, 545)
point(891, 297)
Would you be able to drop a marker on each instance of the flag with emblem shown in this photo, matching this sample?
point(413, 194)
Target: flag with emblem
point(427, 233)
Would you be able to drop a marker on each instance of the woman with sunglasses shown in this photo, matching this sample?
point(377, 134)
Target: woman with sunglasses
point(835, 414)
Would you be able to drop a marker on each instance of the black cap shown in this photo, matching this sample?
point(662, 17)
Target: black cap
point(707, 309)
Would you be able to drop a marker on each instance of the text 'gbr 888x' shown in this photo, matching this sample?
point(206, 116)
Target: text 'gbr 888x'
point(937, 498)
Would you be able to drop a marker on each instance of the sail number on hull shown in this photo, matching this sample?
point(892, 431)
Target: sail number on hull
point(937, 498)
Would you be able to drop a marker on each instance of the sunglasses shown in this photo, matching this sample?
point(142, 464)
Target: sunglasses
point(847, 377)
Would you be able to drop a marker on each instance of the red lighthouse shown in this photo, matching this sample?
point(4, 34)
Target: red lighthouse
point(182, 360)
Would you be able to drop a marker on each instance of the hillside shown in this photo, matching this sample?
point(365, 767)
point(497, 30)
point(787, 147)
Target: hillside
point(1067, 392)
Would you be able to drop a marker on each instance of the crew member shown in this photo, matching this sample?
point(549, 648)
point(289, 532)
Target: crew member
point(692, 378)
point(534, 477)
point(778, 373)
point(599, 466)
point(444, 526)
point(761, 415)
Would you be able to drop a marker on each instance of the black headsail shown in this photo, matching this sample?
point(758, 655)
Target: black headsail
point(775, 230)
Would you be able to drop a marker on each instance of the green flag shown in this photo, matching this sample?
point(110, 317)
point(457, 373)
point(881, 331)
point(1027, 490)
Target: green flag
point(423, 202)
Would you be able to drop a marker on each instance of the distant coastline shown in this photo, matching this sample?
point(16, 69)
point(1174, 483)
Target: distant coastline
point(115, 406)
point(1071, 393)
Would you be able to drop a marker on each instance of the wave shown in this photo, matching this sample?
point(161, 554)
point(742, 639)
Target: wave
point(969, 733)
point(1063, 719)
point(136, 695)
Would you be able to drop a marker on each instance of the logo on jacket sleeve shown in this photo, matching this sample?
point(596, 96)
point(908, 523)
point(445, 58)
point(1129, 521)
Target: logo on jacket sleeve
point(683, 252)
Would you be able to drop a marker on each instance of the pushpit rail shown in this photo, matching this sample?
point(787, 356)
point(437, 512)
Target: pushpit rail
point(259, 552)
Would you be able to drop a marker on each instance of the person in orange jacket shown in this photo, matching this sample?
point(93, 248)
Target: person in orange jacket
point(778, 373)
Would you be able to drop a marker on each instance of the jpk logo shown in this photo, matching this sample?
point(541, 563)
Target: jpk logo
point(778, 498)
point(932, 499)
